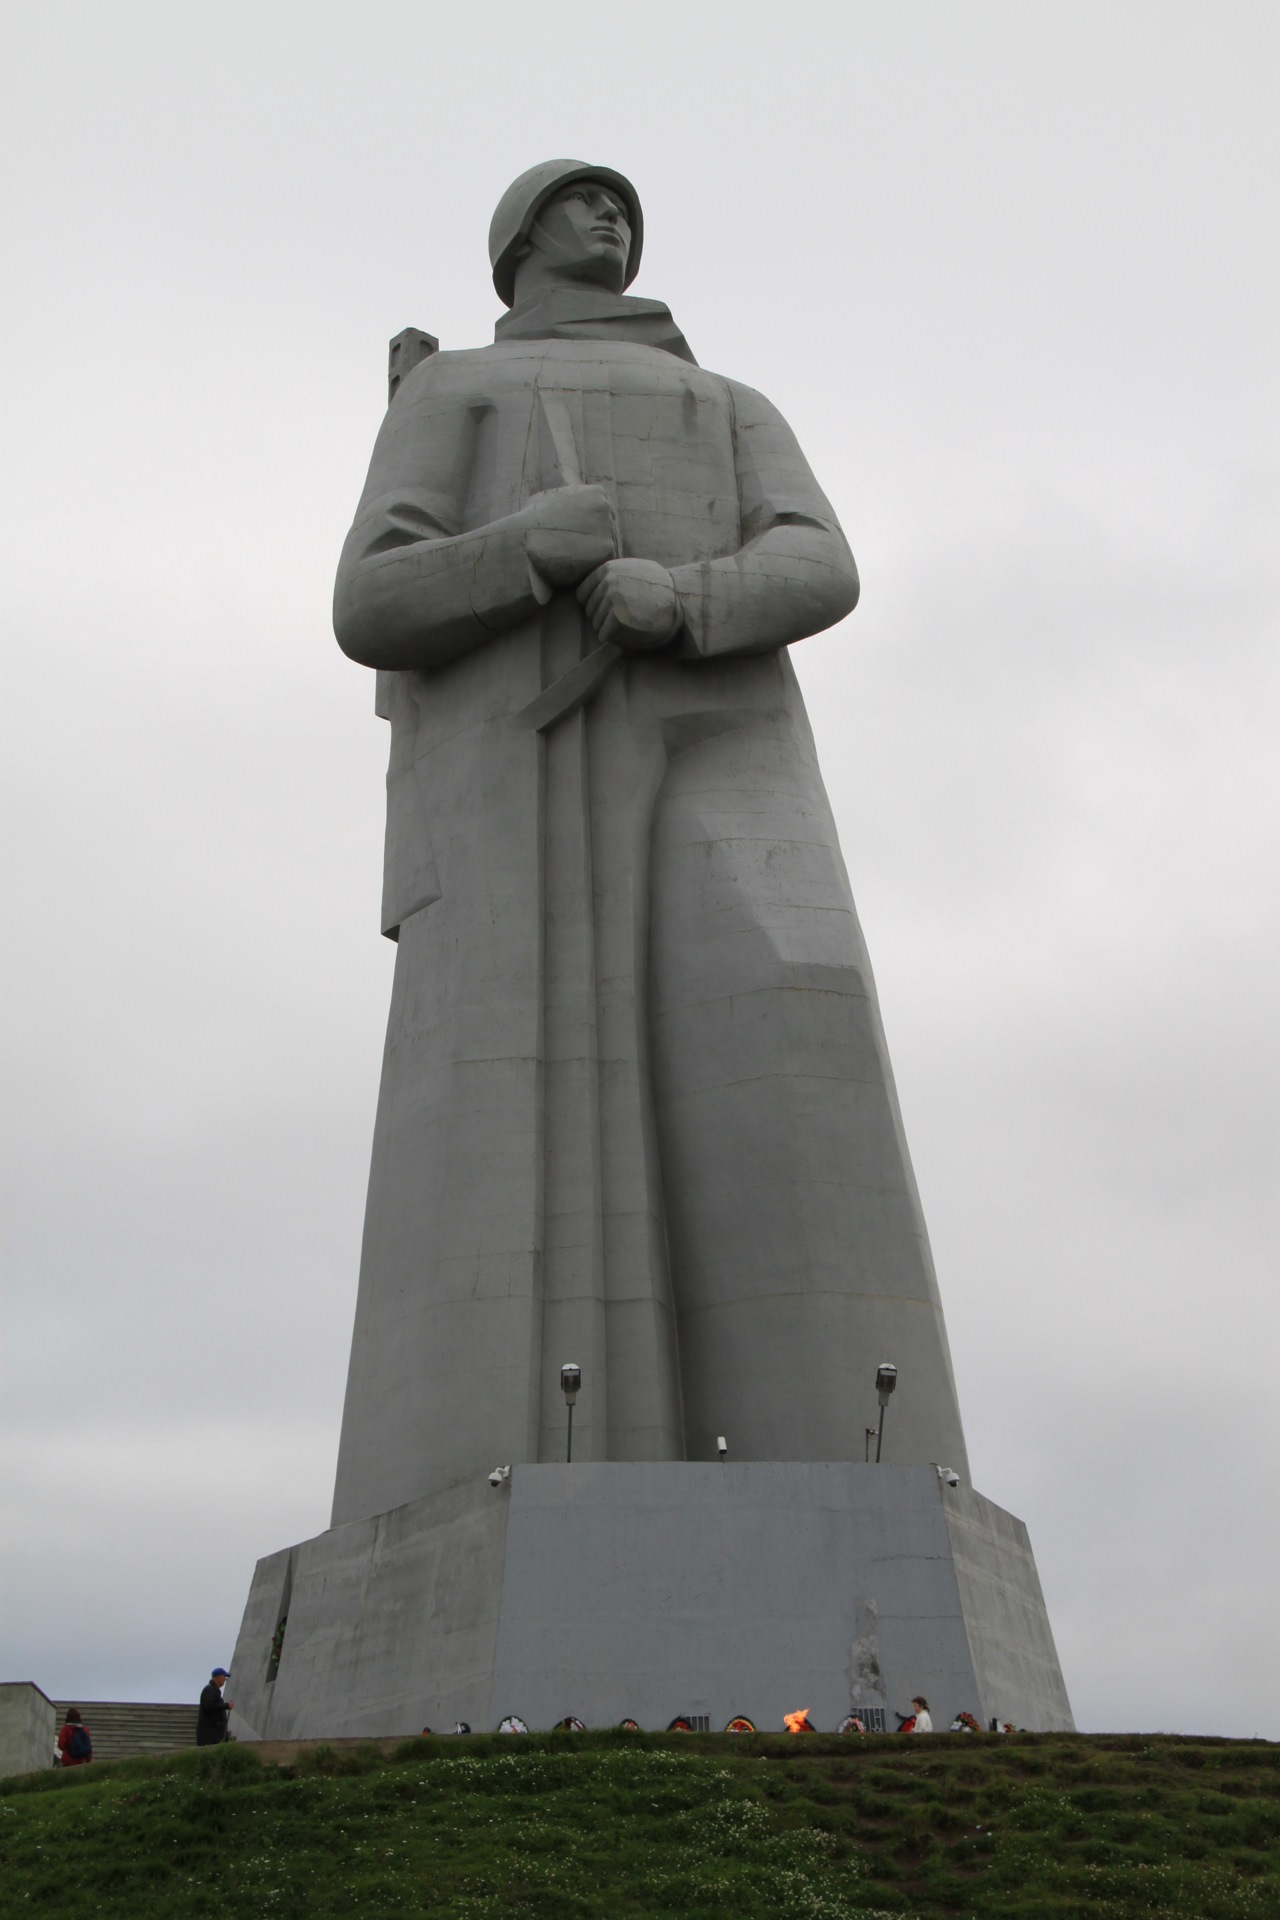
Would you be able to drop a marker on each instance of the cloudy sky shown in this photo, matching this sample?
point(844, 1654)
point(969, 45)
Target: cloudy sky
point(1010, 272)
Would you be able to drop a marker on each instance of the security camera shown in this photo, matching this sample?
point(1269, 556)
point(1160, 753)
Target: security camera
point(948, 1476)
point(722, 1446)
point(499, 1476)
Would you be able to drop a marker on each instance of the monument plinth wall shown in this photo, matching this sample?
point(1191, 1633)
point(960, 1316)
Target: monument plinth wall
point(647, 1590)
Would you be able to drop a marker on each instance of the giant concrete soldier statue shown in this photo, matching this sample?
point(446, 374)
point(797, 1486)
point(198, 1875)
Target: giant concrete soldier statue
point(636, 1107)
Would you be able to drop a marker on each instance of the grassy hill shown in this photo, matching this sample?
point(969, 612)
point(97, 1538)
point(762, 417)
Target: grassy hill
point(619, 1825)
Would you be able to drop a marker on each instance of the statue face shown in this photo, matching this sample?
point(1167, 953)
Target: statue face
point(583, 235)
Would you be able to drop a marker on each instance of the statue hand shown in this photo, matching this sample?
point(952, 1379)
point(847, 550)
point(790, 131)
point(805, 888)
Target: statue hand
point(569, 531)
point(634, 603)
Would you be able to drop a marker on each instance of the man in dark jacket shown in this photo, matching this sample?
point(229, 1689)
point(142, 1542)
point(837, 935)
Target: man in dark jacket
point(211, 1721)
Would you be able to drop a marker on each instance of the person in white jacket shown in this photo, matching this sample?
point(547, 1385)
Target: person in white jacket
point(924, 1721)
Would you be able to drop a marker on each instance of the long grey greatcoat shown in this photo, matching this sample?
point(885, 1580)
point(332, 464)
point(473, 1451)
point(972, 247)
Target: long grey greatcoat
point(636, 1107)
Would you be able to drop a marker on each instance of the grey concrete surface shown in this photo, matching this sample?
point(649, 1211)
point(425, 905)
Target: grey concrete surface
point(651, 1589)
point(636, 1107)
point(1005, 1617)
point(28, 1727)
point(391, 1622)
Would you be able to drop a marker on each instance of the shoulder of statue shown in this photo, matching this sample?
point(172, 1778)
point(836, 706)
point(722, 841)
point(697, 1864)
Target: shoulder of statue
point(749, 403)
point(440, 376)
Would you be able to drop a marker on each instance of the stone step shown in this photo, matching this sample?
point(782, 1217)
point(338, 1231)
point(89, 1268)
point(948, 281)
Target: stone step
point(122, 1729)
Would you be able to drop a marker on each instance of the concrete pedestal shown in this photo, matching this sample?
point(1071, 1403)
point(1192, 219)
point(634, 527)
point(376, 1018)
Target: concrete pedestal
point(649, 1590)
point(28, 1724)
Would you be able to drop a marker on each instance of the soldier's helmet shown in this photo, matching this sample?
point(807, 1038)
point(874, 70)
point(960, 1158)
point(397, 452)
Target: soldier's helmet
point(518, 209)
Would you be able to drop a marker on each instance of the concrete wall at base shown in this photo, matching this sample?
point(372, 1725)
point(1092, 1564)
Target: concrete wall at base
point(654, 1588)
point(28, 1727)
point(391, 1623)
point(760, 1587)
point(1007, 1622)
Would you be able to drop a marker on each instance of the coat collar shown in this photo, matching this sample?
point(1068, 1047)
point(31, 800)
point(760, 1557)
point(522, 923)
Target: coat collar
point(582, 313)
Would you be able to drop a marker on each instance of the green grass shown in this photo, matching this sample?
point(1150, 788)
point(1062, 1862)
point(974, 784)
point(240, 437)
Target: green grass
point(617, 1825)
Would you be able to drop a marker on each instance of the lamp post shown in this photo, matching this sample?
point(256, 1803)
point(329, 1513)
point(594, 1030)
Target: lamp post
point(886, 1381)
point(570, 1381)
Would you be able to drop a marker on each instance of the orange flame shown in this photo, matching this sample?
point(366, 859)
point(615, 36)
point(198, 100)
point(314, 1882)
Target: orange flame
point(797, 1722)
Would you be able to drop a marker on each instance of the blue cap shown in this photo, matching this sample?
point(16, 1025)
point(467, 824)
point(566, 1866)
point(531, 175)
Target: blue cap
point(217, 1671)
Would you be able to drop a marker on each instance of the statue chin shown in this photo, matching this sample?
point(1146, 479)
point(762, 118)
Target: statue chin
point(598, 267)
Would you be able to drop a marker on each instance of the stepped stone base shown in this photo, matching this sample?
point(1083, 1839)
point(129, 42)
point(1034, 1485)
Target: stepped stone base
point(119, 1729)
point(124, 1729)
point(648, 1590)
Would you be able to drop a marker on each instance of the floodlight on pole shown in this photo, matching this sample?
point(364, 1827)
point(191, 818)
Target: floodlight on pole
point(886, 1381)
point(570, 1381)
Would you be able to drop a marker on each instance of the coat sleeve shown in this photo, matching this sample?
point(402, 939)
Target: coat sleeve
point(794, 574)
point(414, 589)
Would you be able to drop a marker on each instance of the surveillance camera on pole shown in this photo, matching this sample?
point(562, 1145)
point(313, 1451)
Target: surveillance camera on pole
point(570, 1382)
point(886, 1381)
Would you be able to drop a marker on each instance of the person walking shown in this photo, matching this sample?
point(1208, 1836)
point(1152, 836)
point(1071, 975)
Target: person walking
point(75, 1744)
point(211, 1721)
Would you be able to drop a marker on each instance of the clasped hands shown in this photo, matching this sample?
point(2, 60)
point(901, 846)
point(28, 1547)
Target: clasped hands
point(571, 540)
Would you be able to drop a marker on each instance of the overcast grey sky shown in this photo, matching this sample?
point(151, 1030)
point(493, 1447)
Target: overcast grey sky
point(1010, 272)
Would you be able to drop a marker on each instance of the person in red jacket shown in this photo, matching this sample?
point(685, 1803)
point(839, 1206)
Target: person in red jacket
point(74, 1744)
